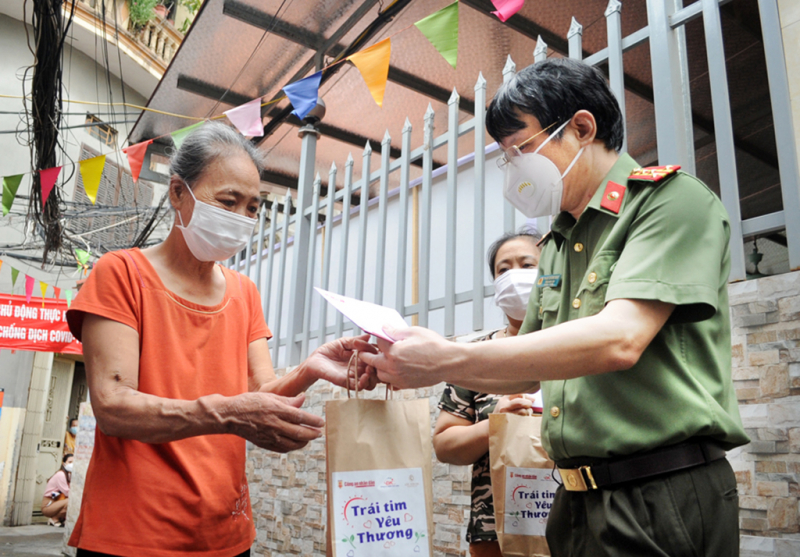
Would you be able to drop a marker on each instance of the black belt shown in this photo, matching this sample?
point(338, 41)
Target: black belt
point(583, 474)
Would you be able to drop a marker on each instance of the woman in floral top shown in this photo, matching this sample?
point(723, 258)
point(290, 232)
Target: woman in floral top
point(461, 435)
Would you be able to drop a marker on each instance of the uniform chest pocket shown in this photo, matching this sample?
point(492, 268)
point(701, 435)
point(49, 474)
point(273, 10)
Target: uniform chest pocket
point(593, 288)
point(548, 309)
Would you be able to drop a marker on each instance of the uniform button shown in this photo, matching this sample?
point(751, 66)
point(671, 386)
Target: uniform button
point(578, 247)
point(576, 303)
point(555, 411)
point(592, 278)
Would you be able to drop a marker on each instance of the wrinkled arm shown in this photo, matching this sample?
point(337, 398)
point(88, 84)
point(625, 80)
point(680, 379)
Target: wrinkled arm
point(111, 352)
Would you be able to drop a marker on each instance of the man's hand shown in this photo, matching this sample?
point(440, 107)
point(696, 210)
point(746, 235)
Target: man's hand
point(272, 422)
point(514, 404)
point(418, 358)
point(329, 362)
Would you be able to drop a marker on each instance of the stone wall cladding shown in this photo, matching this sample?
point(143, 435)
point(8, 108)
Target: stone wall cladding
point(765, 335)
point(288, 491)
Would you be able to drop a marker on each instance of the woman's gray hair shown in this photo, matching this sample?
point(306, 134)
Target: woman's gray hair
point(204, 145)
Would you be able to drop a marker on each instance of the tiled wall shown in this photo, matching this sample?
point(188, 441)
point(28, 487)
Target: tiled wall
point(765, 315)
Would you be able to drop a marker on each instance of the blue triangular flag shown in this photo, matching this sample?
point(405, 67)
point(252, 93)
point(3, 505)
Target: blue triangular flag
point(303, 94)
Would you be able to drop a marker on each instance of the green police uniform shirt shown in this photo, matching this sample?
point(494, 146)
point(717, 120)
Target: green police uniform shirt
point(669, 242)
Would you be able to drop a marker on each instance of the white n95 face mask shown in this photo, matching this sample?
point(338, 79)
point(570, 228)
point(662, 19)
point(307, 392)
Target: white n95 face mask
point(533, 183)
point(512, 290)
point(215, 234)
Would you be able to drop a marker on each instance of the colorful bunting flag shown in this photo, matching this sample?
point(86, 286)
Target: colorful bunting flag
point(136, 157)
point(28, 288)
point(43, 286)
point(247, 118)
point(14, 275)
point(10, 187)
point(92, 172)
point(68, 296)
point(179, 135)
point(373, 63)
point(304, 94)
point(57, 292)
point(441, 29)
point(507, 8)
point(1, 263)
point(47, 179)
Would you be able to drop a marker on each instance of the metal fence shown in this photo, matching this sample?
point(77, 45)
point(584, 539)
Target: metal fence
point(440, 270)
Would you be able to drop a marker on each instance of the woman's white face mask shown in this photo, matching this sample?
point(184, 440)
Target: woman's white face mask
point(512, 290)
point(214, 234)
point(533, 183)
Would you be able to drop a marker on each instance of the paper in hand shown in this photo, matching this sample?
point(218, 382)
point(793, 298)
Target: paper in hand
point(369, 317)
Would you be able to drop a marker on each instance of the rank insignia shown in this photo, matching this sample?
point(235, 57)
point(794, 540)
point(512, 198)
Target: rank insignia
point(654, 173)
point(612, 197)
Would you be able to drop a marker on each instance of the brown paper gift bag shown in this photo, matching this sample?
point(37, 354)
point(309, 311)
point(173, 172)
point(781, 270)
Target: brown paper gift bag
point(380, 496)
point(522, 484)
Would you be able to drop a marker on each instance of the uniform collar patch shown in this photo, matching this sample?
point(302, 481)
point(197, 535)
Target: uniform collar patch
point(613, 197)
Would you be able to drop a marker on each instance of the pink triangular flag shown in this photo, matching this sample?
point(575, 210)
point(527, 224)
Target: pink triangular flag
point(47, 179)
point(136, 157)
point(507, 8)
point(28, 288)
point(247, 118)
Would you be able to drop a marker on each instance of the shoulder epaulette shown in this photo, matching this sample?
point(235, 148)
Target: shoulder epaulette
point(544, 239)
point(654, 173)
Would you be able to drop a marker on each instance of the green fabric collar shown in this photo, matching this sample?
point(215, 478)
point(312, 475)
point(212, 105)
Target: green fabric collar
point(563, 223)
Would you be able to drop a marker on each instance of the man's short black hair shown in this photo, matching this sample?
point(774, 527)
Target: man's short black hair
point(552, 91)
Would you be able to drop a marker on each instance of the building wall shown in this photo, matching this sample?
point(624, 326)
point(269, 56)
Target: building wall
point(765, 316)
point(15, 376)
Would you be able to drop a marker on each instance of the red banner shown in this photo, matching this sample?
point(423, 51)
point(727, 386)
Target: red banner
point(36, 326)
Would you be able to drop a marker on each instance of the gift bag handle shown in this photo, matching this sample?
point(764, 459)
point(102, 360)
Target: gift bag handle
point(354, 358)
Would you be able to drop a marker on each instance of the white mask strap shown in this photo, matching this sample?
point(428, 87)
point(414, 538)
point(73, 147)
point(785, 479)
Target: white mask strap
point(180, 217)
point(552, 135)
point(572, 163)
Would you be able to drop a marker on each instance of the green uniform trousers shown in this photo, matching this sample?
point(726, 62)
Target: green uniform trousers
point(692, 512)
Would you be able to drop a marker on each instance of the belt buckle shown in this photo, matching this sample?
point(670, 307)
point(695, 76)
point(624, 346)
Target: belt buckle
point(575, 479)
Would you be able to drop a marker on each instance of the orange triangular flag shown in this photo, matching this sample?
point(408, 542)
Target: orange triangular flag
point(373, 63)
point(43, 286)
point(57, 292)
point(91, 172)
point(136, 157)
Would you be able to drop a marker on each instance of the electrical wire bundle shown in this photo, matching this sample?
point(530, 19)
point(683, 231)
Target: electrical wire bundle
point(49, 33)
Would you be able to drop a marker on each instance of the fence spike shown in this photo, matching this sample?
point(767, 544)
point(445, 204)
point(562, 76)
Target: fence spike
point(454, 97)
point(540, 52)
point(349, 161)
point(613, 6)
point(368, 148)
point(575, 28)
point(406, 125)
point(509, 69)
point(387, 139)
point(480, 83)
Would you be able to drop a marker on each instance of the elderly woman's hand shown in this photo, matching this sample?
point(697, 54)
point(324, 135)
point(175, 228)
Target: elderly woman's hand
point(272, 422)
point(329, 362)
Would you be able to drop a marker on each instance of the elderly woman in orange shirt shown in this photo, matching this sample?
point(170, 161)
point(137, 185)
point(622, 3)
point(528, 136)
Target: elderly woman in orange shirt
point(180, 374)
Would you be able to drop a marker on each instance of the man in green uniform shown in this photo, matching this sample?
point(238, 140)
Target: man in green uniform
point(629, 328)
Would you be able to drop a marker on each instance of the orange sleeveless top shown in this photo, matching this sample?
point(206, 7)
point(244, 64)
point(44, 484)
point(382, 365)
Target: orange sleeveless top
point(188, 496)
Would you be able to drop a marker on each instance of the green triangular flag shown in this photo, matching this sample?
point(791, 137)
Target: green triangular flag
point(441, 29)
point(10, 186)
point(14, 274)
point(68, 296)
point(82, 256)
point(179, 135)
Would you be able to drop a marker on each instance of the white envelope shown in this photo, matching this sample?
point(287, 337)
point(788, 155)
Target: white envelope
point(369, 317)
